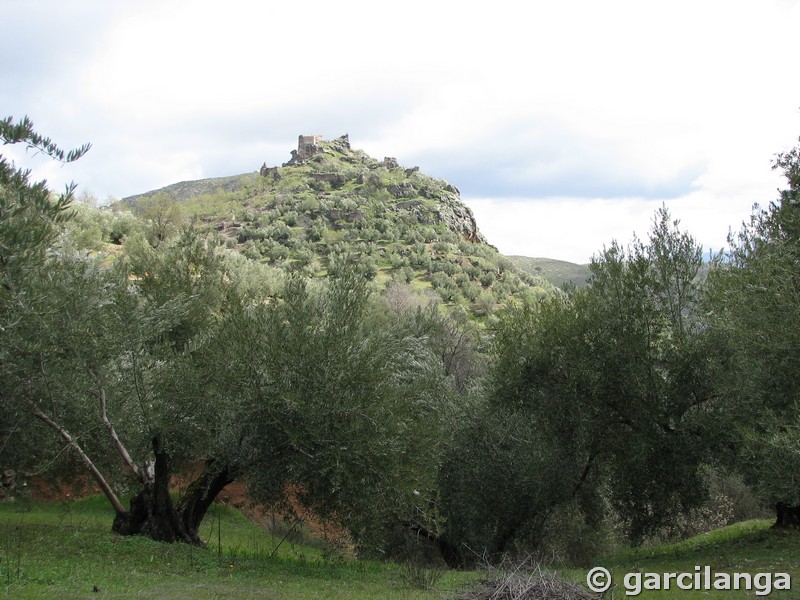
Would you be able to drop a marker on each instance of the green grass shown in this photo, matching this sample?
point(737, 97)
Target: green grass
point(64, 550)
point(751, 547)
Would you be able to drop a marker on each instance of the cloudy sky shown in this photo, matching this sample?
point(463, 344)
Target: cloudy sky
point(565, 124)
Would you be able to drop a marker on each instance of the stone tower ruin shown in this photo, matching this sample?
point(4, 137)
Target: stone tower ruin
point(307, 146)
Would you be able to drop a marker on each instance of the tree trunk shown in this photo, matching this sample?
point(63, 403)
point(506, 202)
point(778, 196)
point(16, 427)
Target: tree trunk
point(200, 494)
point(786, 516)
point(153, 514)
point(451, 555)
point(152, 511)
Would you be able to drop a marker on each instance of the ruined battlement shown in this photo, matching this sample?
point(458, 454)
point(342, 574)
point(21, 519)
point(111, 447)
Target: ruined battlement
point(308, 145)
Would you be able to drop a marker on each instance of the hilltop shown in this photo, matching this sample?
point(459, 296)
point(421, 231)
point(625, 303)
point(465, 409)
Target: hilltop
point(330, 202)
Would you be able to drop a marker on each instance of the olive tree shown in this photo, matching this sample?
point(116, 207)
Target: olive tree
point(596, 399)
point(106, 364)
point(335, 402)
point(30, 215)
point(174, 354)
point(755, 308)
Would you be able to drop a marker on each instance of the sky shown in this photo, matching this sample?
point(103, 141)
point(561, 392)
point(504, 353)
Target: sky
point(565, 124)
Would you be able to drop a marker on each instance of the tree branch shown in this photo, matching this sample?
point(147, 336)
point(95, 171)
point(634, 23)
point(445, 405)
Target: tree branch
point(585, 474)
point(101, 481)
point(141, 474)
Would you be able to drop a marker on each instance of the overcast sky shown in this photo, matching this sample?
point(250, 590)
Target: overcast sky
point(565, 123)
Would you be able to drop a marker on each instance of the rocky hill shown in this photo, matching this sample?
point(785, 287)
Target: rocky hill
point(330, 202)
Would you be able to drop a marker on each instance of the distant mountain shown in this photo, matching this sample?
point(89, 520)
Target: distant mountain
point(331, 203)
point(557, 272)
point(187, 190)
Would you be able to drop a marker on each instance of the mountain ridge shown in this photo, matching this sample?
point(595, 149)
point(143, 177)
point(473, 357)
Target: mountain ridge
point(557, 272)
point(184, 190)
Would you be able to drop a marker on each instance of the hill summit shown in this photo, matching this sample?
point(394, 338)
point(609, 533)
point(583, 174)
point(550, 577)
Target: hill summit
point(411, 189)
point(330, 202)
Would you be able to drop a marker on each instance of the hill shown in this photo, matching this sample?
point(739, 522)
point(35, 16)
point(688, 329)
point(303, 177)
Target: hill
point(557, 272)
point(330, 203)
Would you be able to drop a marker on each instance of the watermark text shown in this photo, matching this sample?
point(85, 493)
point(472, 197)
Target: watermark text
point(702, 578)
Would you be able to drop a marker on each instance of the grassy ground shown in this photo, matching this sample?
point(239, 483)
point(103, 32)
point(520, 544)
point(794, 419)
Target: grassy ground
point(750, 547)
point(67, 551)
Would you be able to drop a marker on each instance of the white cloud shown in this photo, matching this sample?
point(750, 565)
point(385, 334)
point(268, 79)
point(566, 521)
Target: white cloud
point(609, 106)
point(575, 229)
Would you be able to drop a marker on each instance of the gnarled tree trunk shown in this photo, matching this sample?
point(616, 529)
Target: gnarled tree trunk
point(200, 494)
point(451, 555)
point(152, 512)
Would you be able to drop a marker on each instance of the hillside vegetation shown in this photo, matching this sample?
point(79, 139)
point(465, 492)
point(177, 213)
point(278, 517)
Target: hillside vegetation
point(557, 272)
point(337, 204)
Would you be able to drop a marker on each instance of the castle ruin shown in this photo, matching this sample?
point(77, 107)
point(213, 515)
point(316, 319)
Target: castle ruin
point(307, 146)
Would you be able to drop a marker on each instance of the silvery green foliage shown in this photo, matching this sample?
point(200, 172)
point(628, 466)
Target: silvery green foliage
point(754, 306)
point(30, 215)
point(595, 399)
